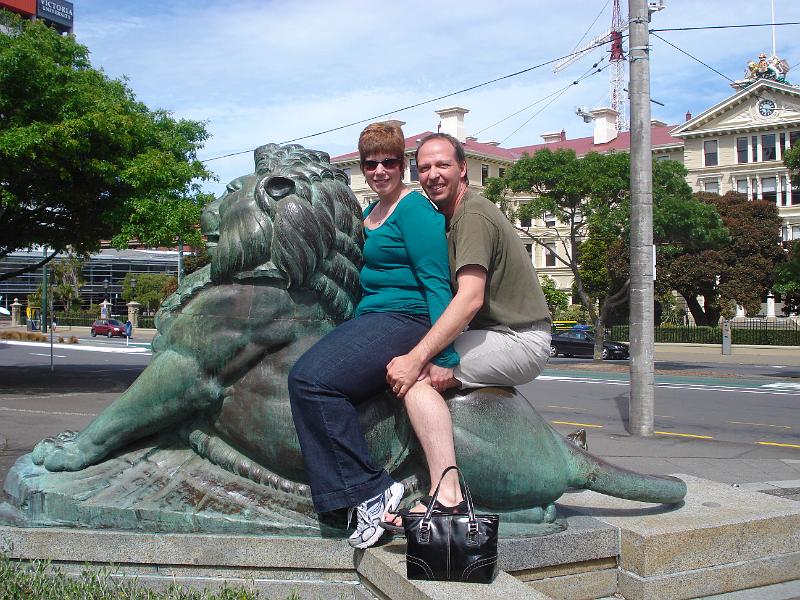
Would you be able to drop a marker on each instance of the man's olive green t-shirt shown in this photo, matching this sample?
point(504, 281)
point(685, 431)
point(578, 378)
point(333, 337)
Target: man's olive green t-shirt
point(479, 234)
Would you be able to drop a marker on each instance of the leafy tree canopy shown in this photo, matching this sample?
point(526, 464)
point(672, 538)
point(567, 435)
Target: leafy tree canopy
point(590, 198)
point(737, 272)
point(557, 300)
point(791, 158)
point(150, 290)
point(81, 160)
point(787, 280)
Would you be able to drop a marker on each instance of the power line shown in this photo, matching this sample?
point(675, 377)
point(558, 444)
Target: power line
point(706, 27)
point(600, 14)
point(538, 112)
point(418, 104)
point(692, 57)
point(540, 100)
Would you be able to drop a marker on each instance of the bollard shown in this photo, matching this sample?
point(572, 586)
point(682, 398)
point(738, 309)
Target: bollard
point(726, 337)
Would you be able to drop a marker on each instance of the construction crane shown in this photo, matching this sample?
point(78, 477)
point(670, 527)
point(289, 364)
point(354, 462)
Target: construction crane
point(617, 81)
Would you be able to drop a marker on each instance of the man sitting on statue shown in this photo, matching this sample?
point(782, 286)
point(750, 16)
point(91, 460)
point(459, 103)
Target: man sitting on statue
point(498, 300)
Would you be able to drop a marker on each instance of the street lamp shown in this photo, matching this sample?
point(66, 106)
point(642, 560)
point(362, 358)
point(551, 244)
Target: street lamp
point(105, 289)
point(133, 287)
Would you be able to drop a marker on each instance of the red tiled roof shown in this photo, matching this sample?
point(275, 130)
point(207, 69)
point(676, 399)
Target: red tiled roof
point(659, 134)
point(469, 146)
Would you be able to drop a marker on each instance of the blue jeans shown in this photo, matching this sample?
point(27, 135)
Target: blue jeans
point(346, 367)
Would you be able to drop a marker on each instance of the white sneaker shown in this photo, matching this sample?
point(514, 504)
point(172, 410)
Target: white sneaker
point(369, 515)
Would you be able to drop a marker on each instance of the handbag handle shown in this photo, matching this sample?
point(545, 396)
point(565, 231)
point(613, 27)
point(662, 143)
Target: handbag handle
point(462, 482)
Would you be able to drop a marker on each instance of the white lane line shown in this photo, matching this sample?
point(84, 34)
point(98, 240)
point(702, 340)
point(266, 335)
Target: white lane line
point(54, 355)
point(759, 424)
point(46, 412)
point(143, 351)
point(790, 391)
point(781, 385)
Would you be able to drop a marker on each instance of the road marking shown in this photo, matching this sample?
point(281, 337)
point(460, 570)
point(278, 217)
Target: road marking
point(777, 444)
point(689, 435)
point(789, 389)
point(782, 386)
point(567, 407)
point(577, 424)
point(40, 354)
point(47, 412)
point(121, 350)
point(760, 424)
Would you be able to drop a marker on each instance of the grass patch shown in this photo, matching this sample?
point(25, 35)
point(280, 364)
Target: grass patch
point(40, 580)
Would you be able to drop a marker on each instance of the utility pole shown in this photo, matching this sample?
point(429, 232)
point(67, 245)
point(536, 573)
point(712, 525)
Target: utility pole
point(43, 320)
point(642, 323)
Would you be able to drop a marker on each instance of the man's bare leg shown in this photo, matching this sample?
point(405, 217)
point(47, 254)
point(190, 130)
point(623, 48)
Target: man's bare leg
point(431, 420)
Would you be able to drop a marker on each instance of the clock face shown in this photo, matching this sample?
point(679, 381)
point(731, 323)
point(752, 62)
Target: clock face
point(766, 108)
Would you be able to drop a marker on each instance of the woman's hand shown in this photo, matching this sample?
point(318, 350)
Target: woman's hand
point(441, 377)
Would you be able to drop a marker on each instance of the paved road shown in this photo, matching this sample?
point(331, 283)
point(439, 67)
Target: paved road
point(720, 427)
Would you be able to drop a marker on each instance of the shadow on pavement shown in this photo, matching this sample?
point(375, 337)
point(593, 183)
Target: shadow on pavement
point(680, 366)
point(38, 379)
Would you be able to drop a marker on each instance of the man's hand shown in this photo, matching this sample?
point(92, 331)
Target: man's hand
point(402, 372)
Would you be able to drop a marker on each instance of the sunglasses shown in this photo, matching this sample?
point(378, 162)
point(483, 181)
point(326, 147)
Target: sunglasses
point(388, 163)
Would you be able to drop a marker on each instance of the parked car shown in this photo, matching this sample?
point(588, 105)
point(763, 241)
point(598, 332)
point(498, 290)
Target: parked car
point(108, 327)
point(581, 343)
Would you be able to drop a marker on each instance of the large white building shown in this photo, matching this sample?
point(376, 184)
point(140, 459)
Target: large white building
point(737, 144)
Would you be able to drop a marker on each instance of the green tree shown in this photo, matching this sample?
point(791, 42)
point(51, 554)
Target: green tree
point(67, 281)
point(82, 160)
point(791, 158)
point(589, 197)
point(557, 300)
point(151, 289)
point(787, 280)
point(740, 271)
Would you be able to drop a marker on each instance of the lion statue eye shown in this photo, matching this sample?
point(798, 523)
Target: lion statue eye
point(279, 187)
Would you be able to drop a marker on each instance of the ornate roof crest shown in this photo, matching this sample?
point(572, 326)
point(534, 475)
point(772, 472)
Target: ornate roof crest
point(772, 68)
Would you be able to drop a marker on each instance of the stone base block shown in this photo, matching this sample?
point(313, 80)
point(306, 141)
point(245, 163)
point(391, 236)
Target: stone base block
point(720, 540)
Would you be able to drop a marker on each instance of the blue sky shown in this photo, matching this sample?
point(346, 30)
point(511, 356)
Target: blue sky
point(270, 71)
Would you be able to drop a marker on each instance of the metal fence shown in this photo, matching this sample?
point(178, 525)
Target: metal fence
point(761, 332)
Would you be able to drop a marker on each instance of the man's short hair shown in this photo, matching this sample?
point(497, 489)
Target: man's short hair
point(384, 137)
point(461, 155)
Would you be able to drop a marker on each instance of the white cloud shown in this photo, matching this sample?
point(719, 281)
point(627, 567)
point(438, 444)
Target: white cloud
point(268, 71)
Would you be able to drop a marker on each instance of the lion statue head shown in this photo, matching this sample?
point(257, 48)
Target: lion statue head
point(293, 219)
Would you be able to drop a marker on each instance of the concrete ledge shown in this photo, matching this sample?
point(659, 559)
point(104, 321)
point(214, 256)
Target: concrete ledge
point(714, 580)
point(723, 539)
point(176, 549)
point(384, 571)
point(717, 525)
point(579, 586)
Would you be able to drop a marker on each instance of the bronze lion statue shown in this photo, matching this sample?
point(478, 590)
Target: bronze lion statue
point(285, 243)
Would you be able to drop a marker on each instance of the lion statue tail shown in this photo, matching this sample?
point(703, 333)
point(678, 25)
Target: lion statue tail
point(593, 473)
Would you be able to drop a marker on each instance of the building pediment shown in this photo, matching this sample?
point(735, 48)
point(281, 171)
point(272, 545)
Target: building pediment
point(765, 104)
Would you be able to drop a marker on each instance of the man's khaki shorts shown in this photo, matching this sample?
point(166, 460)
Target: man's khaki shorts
point(502, 356)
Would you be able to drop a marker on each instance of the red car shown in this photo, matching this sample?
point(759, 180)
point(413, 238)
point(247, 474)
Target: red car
point(108, 327)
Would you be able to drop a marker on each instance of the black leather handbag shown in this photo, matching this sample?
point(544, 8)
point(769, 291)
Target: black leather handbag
point(451, 546)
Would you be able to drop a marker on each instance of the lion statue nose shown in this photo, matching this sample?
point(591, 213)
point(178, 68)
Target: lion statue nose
point(279, 187)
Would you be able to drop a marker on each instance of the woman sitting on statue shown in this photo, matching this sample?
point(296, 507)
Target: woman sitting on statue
point(405, 284)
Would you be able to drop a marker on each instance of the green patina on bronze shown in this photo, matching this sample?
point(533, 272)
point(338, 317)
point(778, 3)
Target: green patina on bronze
point(204, 441)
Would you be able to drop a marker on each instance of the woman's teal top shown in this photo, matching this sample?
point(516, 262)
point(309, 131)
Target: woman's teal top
point(405, 265)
